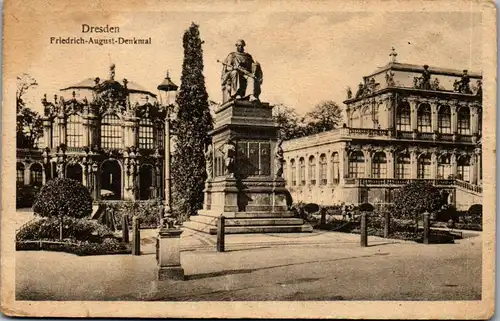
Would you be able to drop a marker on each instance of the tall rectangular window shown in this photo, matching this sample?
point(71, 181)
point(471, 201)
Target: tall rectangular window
point(322, 169)
point(111, 132)
point(356, 165)
point(74, 131)
point(424, 124)
point(403, 167)
point(403, 121)
point(55, 134)
point(424, 167)
point(146, 137)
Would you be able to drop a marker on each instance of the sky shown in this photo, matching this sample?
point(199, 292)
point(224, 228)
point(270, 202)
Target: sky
point(306, 57)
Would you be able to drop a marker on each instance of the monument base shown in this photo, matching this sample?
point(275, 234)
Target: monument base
point(250, 193)
point(170, 273)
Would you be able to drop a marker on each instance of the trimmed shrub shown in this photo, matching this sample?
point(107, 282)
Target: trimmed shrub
point(415, 198)
point(73, 229)
point(63, 197)
point(107, 247)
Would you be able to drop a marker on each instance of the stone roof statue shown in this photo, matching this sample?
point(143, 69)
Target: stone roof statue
point(241, 75)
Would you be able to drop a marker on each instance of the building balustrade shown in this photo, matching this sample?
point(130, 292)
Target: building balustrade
point(396, 181)
point(469, 186)
point(371, 132)
point(434, 136)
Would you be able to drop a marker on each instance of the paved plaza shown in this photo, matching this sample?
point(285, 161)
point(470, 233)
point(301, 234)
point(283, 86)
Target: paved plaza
point(310, 266)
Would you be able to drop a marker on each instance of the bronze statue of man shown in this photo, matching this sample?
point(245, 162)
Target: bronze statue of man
point(239, 72)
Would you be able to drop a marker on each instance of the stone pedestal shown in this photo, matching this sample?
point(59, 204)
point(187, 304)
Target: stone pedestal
point(248, 192)
point(169, 255)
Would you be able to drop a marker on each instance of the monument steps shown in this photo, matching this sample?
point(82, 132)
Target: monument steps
point(209, 229)
point(249, 222)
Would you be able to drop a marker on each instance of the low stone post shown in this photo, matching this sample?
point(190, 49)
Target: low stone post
point(364, 230)
point(125, 238)
point(323, 216)
point(136, 236)
point(221, 226)
point(387, 224)
point(169, 254)
point(426, 228)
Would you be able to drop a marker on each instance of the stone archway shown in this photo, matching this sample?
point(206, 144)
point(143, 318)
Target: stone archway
point(111, 180)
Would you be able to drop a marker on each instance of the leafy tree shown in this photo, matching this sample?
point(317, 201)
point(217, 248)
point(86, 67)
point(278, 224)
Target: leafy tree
point(29, 126)
point(326, 115)
point(63, 197)
point(24, 83)
point(415, 198)
point(192, 126)
point(289, 124)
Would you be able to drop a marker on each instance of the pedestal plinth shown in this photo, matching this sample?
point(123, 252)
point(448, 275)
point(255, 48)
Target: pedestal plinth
point(169, 254)
point(245, 184)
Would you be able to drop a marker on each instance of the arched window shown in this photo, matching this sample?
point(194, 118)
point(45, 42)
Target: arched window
point(111, 132)
point(111, 180)
point(20, 173)
point(312, 170)
point(366, 117)
point(356, 165)
point(36, 174)
point(293, 169)
point(379, 165)
point(403, 118)
point(74, 131)
point(335, 168)
point(463, 121)
point(146, 137)
point(424, 118)
point(424, 166)
point(444, 167)
point(444, 120)
point(403, 166)
point(322, 169)
point(463, 168)
point(355, 119)
point(302, 171)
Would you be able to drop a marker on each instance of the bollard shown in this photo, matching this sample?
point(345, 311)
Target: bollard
point(323, 217)
point(364, 230)
point(136, 236)
point(426, 228)
point(125, 238)
point(220, 233)
point(387, 225)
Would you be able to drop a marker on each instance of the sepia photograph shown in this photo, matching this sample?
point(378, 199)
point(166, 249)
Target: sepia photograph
point(241, 159)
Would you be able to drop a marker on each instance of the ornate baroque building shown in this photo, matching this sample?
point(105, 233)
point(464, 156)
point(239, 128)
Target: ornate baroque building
point(107, 134)
point(405, 122)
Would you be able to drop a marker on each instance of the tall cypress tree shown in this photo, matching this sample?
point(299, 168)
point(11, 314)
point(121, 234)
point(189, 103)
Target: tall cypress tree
point(192, 126)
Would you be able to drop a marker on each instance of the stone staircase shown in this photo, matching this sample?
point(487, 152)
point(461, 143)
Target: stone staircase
point(248, 222)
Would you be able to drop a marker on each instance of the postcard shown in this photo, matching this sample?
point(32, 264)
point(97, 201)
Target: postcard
point(249, 159)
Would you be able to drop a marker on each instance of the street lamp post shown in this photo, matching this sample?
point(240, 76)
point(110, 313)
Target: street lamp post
point(168, 250)
point(166, 88)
